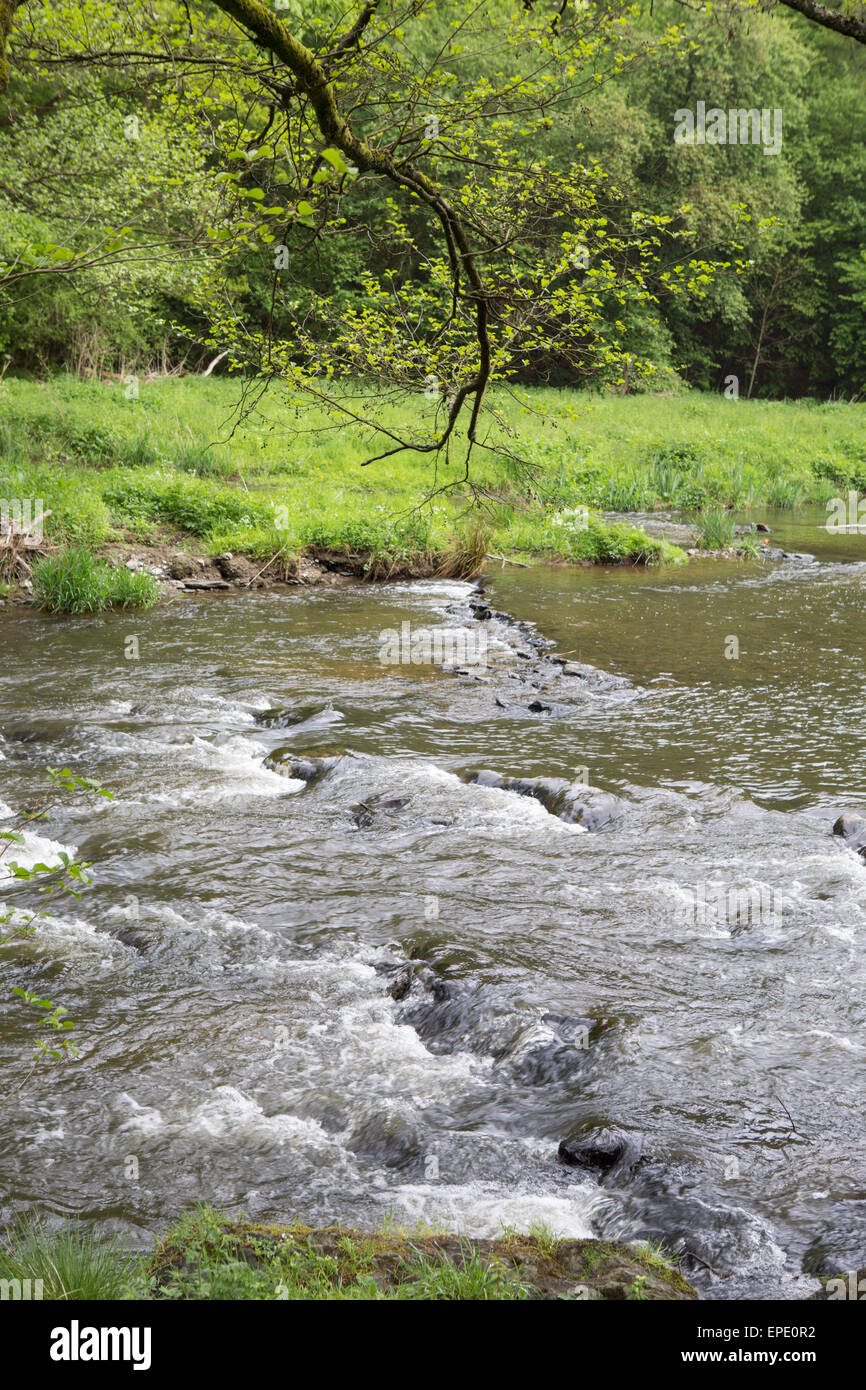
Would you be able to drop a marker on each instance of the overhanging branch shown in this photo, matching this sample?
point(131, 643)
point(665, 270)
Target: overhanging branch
point(848, 25)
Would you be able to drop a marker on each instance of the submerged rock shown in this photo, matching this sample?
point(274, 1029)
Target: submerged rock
point(599, 1149)
point(571, 802)
point(284, 717)
point(304, 769)
point(388, 1138)
point(365, 813)
point(592, 678)
point(549, 707)
point(851, 826)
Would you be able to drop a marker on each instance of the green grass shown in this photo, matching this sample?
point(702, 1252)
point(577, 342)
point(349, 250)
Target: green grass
point(178, 463)
point(205, 1256)
point(70, 1262)
point(75, 581)
point(715, 528)
point(210, 1256)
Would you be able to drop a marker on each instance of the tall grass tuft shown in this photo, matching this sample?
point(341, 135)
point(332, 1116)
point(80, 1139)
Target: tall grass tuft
point(71, 1263)
point(76, 582)
point(715, 529)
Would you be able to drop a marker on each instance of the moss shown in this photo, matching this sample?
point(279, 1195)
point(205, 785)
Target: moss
point(207, 1252)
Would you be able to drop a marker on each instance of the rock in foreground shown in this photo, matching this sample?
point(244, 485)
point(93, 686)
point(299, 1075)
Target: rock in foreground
point(302, 1262)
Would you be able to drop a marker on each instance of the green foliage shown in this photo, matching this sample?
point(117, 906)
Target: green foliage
point(715, 529)
point(170, 230)
point(847, 472)
point(207, 1256)
point(72, 1263)
point(76, 582)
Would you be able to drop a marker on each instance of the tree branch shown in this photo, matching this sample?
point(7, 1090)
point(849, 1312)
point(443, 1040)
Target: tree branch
point(311, 80)
point(848, 25)
point(7, 14)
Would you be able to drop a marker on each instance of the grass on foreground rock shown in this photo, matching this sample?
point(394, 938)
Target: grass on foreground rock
point(207, 1255)
point(172, 465)
point(75, 581)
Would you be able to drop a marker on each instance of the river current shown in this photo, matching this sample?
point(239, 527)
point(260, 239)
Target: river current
point(291, 1007)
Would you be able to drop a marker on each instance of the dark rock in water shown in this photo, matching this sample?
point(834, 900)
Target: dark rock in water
point(29, 735)
point(599, 1150)
point(750, 530)
point(456, 1016)
point(303, 769)
point(574, 804)
point(851, 825)
point(136, 938)
point(548, 1063)
point(364, 813)
point(485, 778)
point(767, 552)
point(285, 718)
point(401, 986)
point(592, 678)
point(388, 1139)
point(549, 707)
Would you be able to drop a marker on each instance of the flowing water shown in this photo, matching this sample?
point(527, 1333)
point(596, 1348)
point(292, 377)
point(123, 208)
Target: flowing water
point(231, 968)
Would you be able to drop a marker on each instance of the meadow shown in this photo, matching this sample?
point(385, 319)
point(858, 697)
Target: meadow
point(178, 463)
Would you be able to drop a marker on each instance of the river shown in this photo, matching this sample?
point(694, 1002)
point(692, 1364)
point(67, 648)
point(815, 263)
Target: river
point(231, 970)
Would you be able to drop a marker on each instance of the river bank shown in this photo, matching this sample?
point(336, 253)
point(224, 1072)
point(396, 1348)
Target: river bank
point(170, 472)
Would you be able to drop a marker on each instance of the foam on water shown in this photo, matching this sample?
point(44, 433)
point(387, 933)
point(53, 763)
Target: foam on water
point(32, 850)
point(478, 1210)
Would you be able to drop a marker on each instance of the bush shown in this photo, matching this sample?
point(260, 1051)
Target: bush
point(76, 582)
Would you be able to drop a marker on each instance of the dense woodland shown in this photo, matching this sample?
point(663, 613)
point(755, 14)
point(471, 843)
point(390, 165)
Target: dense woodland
point(122, 127)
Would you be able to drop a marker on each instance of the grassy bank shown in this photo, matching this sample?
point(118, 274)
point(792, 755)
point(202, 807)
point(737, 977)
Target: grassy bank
point(209, 1256)
point(169, 465)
